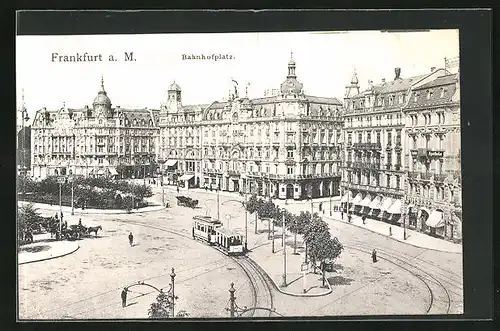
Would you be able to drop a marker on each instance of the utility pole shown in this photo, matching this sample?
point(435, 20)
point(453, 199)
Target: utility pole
point(331, 196)
point(72, 196)
point(218, 207)
point(246, 223)
point(284, 254)
point(172, 277)
point(232, 299)
point(273, 236)
point(144, 175)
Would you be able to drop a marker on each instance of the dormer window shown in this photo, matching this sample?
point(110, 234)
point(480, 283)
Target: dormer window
point(379, 101)
point(428, 94)
point(415, 96)
point(391, 100)
point(401, 98)
point(442, 92)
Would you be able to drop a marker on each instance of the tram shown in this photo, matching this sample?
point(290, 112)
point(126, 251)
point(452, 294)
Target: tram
point(229, 241)
point(210, 231)
point(204, 229)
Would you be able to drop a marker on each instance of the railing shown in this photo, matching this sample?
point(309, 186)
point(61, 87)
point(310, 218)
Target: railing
point(439, 178)
point(426, 175)
point(388, 166)
point(367, 146)
point(413, 175)
point(233, 173)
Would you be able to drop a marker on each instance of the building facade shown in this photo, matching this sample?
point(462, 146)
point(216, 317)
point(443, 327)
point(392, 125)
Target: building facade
point(434, 179)
point(402, 152)
point(94, 141)
point(285, 145)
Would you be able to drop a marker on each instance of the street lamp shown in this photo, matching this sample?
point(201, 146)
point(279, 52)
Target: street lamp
point(284, 252)
point(172, 277)
point(24, 118)
point(71, 179)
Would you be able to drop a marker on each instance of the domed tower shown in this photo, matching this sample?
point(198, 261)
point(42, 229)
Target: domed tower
point(291, 86)
point(353, 88)
point(102, 103)
point(174, 101)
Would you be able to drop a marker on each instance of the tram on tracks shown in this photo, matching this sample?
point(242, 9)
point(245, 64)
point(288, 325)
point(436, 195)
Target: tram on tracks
point(212, 232)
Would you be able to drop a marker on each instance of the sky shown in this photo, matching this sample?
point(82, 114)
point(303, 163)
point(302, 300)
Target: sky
point(325, 62)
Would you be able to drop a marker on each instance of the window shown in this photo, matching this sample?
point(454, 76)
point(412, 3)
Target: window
point(101, 160)
point(442, 92)
point(289, 170)
point(289, 154)
point(378, 137)
point(349, 139)
point(414, 142)
point(389, 138)
point(415, 96)
point(388, 180)
point(369, 137)
point(360, 137)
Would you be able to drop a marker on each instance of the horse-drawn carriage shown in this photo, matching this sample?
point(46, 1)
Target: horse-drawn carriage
point(74, 232)
point(186, 202)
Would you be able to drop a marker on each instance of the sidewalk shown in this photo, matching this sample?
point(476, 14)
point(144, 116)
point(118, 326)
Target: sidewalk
point(79, 211)
point(45, 250)
point(272, 264)
point(414, 238)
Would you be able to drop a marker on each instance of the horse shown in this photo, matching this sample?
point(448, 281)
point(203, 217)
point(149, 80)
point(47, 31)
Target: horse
point(94, 229)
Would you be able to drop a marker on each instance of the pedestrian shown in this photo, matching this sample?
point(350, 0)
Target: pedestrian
point(177, 189)
point(349, 218)
point(321, 206)
point(342, 215)
point(131, 239)
point(374, 256)
point(390, 231)
point(124, 297)
point(80, 222)
point(364, 219)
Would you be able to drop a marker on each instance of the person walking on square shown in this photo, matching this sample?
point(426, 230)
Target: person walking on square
point(390, 231)
point(374, 256)
point(124, 297)
point(131, 239)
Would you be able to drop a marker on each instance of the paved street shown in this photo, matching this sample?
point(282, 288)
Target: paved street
point(406, 280)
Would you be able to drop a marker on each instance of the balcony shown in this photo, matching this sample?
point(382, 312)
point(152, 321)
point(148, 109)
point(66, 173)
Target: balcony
point(234, 173)
point(413, 175)
point(398, 147)
point(290, 144)
point(426, 176)
point(367, 146)
point(276, 143)
point(348, 146)
point(439, 178)
point(397, 167)
point(388, 166)
point(388, 147)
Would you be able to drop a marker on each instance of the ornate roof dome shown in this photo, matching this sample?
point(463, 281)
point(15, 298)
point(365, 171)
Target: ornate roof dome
point(174, 87)
point(102, 98)
point(291, 86)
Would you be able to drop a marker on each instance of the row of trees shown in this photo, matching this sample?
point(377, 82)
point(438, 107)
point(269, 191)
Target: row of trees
point(320, 247)
point(102, 193)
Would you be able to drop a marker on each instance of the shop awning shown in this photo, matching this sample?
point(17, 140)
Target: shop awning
point(347, 196)
point(113, 171)
point(356, 199)
point(376, 203)
point(435, 219)
point(366, 201)
point(425, 210)
point(386, 204)
point(171, 163)
point(186, 177)
point(395, 208)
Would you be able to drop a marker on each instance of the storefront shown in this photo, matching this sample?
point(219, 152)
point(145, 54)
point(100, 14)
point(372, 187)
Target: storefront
point(374, 207)
point(394, 212)
point(384, 215)
point(435, 223)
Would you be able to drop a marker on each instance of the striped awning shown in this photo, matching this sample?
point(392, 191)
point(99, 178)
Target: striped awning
point(357, 199)
point(346, 197)
point(186, 177)
point(386, 204)
point(435, 219)
point(366, 201)
point(395, 208)
point(170, 163)
point(376, 203)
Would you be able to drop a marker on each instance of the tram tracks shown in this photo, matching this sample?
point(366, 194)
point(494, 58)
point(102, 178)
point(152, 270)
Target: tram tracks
point(262, 295)
point(439, 294)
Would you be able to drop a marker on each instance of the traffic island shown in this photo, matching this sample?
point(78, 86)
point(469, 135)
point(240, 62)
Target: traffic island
point(46, 250)
point(298, 283)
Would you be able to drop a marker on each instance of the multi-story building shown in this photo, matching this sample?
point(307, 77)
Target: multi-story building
point(96, 141)
point(23, 143)
point(284, 145)
point(373, 171)
point(434, 179)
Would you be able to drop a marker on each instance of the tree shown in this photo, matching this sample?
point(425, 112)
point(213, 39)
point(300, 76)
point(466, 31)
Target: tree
point(292, 225)
point(162, 308)
point(325, 250)
point(312, 230)
point(28, 220)
point(267, 210)
point(252, 206)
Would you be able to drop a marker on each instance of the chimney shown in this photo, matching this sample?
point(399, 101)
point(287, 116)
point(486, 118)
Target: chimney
point(433, 69)
point(397, 71)
point(383, 80)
